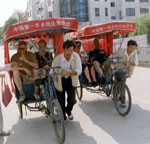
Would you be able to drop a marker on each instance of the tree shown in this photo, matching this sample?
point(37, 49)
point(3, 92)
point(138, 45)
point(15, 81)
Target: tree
point(9, 22)
point(1, 31)
point(142, 26)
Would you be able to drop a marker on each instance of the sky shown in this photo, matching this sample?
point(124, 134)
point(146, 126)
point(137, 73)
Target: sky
point(7, 8)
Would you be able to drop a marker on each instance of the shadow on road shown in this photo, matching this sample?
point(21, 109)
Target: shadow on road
point(132, 129)
point(1, 140)
point(40, 131)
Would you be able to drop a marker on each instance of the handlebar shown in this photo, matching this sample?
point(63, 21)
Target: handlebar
point(122, 69)
point(41, 72)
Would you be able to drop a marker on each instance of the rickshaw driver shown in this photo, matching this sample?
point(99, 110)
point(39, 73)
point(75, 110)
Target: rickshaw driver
point(70, 68)
point(26, 66)
point(128, 57)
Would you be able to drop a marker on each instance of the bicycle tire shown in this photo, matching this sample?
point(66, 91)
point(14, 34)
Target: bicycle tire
point(115, 96)
point(60, 133)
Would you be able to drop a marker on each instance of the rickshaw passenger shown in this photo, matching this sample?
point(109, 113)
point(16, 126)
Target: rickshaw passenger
point(26, 65)
point(44, 60)
point(97, 57)
point(87, 68)
point(47, 59)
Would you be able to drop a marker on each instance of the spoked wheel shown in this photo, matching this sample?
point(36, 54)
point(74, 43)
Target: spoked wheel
point(122, 98)
point(20, 110)
point(79, 90)
point(58, 121)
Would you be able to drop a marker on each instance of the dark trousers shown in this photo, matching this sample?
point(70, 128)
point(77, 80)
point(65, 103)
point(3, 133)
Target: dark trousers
point(71, 99)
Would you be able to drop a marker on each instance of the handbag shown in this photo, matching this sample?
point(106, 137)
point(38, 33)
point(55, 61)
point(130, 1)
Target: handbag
point(6, 93)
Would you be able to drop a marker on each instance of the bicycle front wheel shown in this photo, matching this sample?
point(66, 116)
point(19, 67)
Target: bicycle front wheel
point(58, 121)
point(122, 98)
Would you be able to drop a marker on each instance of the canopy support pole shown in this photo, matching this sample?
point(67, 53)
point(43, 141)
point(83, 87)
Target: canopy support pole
point(58, 43)
point(110, 43)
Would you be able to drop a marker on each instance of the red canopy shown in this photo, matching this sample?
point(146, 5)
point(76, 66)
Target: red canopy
point(39, 28)
point(104, 32)
point(94, 30)
point(53, 27)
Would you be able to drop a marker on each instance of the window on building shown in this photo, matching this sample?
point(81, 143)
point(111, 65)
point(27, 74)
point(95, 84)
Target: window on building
point(130, 12)
point(106, 11)
point(50, 14)
point(120, 15)
point(79, 9)
point(113, 17)
point(49, 2)
point(112, 4)
point(28, 14)
point(130, 0)
point(144, 10)
point(37, 1)
point(144, 0)
point(97, 12)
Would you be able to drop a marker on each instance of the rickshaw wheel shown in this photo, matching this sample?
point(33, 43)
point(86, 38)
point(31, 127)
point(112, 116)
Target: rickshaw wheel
point(122, 98)
point(79, 90)
point(58, 121)
point(20, 110)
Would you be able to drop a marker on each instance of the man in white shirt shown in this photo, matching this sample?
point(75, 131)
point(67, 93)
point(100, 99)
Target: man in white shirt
point(70, 68)
point(131, 51)
point(129, 56)
point(7, 67)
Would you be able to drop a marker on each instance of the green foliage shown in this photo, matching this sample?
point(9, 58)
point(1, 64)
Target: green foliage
point(9, 22)
point(142, 26)
point(1, 31)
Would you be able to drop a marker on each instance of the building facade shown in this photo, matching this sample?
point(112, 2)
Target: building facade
point(129, 9)
point(53, 8)
point(87, 11)
point(31, 10)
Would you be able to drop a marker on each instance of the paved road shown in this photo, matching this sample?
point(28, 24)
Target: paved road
point(96, 119)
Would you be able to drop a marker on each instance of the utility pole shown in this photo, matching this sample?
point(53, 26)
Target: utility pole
point(69, 8)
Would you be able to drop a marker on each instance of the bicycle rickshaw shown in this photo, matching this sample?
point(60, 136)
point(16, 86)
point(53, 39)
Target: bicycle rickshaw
point(116, 88)
point(53, 29)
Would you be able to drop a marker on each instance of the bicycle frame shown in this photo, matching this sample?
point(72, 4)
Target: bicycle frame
point(50, 92)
